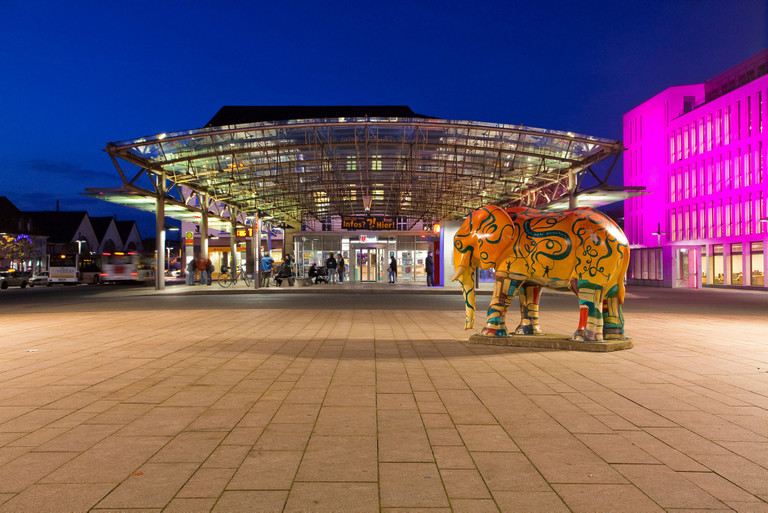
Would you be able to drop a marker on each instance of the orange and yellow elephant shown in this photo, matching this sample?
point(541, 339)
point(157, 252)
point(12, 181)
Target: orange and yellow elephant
point(580, 250)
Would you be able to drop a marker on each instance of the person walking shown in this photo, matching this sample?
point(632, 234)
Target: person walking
point(330, 264)
point(392, 269)
point(342, 268)
point(201, 272)
point(266, 268)
point(208, 271)
point(429, 268)
point(191, 268)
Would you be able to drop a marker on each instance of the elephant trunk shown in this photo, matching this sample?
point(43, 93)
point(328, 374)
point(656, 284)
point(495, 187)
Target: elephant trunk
point(466, 276)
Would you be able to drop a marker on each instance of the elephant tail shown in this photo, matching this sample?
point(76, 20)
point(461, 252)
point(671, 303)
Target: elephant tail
point(623, 267)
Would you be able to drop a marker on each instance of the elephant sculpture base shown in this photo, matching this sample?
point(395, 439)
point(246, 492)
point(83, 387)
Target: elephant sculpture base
point(552, 342)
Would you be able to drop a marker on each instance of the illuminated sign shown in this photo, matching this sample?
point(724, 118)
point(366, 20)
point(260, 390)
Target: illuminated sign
point(368, 223)
point(242, 232)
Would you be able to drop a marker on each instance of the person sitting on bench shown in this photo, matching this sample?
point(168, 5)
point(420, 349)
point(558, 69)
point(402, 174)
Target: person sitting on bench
point(284, 272)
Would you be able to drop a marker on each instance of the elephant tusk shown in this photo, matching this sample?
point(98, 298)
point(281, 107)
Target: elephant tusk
point(459, 272)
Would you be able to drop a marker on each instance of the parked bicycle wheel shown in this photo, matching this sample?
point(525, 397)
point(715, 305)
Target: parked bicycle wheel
point(225, 280)
point(246, 279)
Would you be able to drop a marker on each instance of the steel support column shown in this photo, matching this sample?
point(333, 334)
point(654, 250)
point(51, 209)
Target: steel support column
point(233, 242)
point(160, 234)
point(256, 250)
point(204, 227)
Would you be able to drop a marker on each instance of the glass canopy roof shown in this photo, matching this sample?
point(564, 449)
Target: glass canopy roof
point(428, 169)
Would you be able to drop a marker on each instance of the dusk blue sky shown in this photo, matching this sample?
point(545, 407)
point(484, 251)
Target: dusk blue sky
point(79, 74)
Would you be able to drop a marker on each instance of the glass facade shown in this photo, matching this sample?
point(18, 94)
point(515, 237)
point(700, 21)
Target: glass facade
point(645, 265)
point(367, 256)
point(756, 266)
point(737, 277)
point(718, 269)
point(705, 143)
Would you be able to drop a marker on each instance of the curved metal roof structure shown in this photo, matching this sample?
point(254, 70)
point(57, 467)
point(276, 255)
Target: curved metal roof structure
point(415, 167)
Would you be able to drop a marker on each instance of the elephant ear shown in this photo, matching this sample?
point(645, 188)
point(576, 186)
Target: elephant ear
point(492, 224)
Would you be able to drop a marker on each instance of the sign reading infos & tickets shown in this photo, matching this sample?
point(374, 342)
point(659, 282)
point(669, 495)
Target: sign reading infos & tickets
point(368, 223)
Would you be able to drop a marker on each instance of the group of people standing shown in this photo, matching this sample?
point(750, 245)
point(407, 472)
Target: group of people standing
point(334, 271)
point(202, 267)
point(337, 267)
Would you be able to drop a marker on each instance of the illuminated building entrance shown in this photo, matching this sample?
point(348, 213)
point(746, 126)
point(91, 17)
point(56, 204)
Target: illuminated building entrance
point(367, 257)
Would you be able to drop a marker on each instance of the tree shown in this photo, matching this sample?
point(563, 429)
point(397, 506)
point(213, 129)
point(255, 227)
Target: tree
point(15, 249)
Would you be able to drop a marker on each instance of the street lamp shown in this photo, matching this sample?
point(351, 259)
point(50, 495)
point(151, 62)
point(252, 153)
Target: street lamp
point(79, 244)
point(658, 233)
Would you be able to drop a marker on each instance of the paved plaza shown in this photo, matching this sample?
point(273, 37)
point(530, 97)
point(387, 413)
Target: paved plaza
point(336, 399)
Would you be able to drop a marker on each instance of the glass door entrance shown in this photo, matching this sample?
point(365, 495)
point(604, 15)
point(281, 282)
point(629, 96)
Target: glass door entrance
point(687, 267)
point(369, 264)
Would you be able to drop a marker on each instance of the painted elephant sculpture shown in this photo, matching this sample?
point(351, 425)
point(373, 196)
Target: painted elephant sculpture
point(580, 250)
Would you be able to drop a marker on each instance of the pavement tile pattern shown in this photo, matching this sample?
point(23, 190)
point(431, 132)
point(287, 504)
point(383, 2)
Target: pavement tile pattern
point(363, 411)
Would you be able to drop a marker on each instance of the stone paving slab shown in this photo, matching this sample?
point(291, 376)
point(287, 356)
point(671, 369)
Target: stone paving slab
point(141, 401)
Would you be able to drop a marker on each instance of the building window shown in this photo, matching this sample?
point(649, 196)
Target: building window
point(728, 218)
point(673, 225)
point(694, 222)
point(703, 253)
point(748, 207)
point(760, 112)
point(672, 148)
point(736, 264)
point(737, 226)
point(719, 174)
point(718, 278)
point(756, 264)
point(718, 128)
point(745, 167)
point(709, 133)
point(727, 126)
point(749, 116)
point(738, 120)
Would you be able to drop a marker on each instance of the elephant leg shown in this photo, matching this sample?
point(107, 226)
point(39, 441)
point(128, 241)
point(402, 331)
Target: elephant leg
point(529, 311)
point(613, 327)
point(503, 291)
point(590, 327)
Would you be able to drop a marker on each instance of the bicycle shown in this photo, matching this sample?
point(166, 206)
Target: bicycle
point(227, 278)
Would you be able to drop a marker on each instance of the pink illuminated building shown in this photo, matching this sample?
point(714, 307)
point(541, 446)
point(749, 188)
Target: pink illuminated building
point(700, 151)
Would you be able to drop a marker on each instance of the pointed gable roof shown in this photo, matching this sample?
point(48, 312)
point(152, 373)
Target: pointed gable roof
point(124, 229)
point(100, 226)
point(9, 215)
